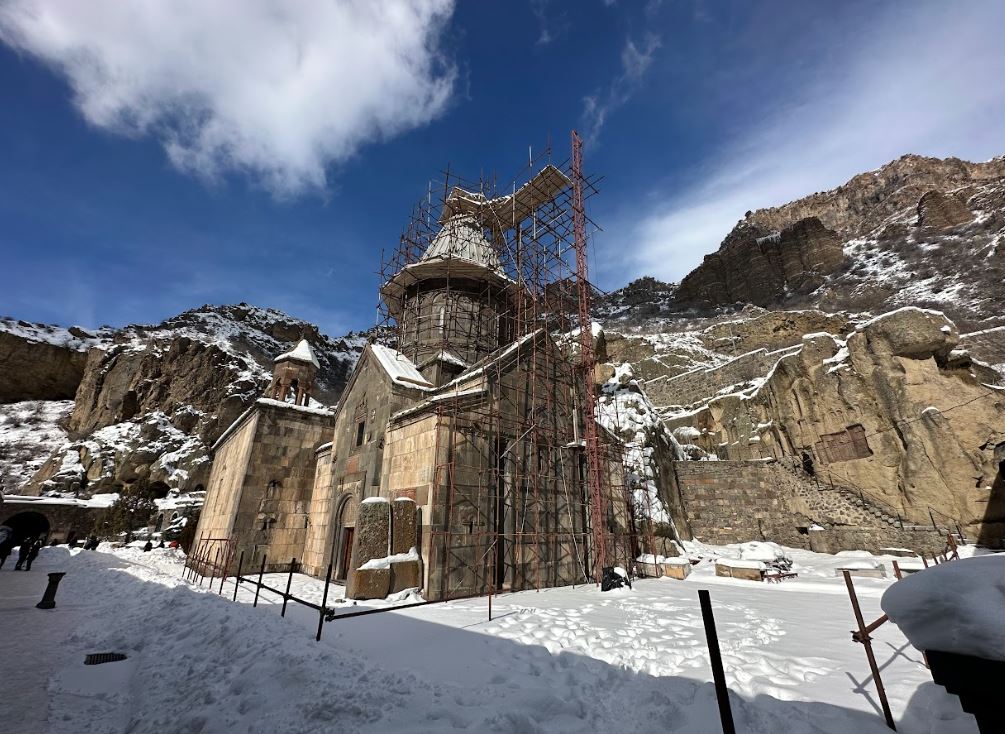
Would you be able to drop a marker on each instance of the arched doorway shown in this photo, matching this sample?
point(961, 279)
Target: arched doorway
point(345, 530)
point(27, 524)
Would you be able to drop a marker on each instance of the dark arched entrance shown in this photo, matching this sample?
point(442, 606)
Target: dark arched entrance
point(27, 524)
point(345, 529)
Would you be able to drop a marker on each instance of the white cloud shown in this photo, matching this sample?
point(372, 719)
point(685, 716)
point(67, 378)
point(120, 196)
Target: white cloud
point(276, 90)
point(929, 82)
point(635, 62)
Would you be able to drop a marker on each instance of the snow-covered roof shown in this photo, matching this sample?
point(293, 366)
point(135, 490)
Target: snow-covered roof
point(399, 368)
point(302, 352)
point(462, 237)
point(299, 408)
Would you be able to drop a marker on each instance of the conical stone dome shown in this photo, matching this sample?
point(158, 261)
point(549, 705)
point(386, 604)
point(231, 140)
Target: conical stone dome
point(462, 237)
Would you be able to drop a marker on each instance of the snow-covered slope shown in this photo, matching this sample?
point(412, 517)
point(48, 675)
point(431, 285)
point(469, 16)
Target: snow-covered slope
point(148, 399)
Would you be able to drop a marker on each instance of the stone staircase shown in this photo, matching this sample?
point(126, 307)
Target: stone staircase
point(835, 505)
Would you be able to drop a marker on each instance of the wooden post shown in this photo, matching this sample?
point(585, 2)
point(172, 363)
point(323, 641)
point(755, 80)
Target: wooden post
point(258, 588)
point(863, 637)
point(924, 560)
point(324, 603)
point(896, 571)
point(718, 674)
point(237, 579)
point(289, 583)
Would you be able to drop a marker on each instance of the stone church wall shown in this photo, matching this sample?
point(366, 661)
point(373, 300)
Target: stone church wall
point(261, 481)
point(223, 492)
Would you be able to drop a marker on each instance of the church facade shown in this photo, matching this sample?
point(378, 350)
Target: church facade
point(454, 462)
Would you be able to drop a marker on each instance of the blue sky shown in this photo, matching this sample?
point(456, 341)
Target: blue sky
point(158, 157)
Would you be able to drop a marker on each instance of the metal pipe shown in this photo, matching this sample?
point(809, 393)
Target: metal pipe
point(258, 587)
point(324, 603)
point(289, 583)
point(237, 579)
point(863, 637)
point(718, 674)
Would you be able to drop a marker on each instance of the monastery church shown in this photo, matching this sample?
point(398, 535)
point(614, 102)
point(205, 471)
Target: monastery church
point(453, 463)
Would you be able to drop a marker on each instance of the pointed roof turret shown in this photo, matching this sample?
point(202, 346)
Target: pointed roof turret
point(302, 352)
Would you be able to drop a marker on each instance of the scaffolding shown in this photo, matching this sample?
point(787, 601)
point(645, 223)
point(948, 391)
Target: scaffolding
point(488, 294)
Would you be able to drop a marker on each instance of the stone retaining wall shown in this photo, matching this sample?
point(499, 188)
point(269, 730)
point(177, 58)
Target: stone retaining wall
point(697, 385)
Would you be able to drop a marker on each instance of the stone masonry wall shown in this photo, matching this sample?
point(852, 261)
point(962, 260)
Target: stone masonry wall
point(738, 501)
point(697, 385)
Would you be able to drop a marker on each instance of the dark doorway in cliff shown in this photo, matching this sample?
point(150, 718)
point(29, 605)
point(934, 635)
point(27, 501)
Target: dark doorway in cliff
point(992, 533)
point(27, 525)
point(158, 490)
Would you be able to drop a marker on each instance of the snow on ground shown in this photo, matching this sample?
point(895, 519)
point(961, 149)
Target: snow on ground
point(559, 660)
point(29, 433)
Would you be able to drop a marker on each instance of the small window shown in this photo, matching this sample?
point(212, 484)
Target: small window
point(360, 432)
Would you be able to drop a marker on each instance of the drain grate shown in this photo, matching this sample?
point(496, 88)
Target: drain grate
point(97, 658)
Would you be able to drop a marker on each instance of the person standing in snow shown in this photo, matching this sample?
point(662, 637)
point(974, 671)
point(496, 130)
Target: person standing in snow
point(33, 552)
point(148, 546)
point(22, 553)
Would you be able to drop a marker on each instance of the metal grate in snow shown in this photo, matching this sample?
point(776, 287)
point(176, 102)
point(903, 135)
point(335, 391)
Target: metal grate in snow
point(97, 658)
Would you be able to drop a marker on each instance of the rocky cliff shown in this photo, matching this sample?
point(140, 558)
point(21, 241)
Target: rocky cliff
point(148, 401)
point(896, 410)
point(39, 362)
point(762, 266)
point(918, 231)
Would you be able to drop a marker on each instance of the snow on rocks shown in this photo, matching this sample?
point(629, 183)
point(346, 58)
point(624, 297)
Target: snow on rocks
point(29, 432)
point(953, 607)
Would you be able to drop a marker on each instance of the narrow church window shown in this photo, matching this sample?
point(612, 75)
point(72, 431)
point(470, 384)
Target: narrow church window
point(360, 432)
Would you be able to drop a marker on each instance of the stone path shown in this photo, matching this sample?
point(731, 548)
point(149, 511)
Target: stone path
point(31, 642)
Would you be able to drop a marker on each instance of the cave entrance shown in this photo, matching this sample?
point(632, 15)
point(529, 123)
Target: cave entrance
point(27, 524)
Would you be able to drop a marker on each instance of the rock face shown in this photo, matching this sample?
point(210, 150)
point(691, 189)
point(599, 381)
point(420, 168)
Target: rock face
point(918, 231)
point(896, 411)
point(149, 401)
point(760, 266)
point(868, 200)
point(194, 383)
point(937, 210)
point(35, 367)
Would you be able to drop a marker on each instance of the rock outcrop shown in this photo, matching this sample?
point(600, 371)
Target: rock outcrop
point(868, 200)
point(896, 411)
point(937, 210)
point(149, 401)
point(199, 386)
point(760, 266)
point(39, 364)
